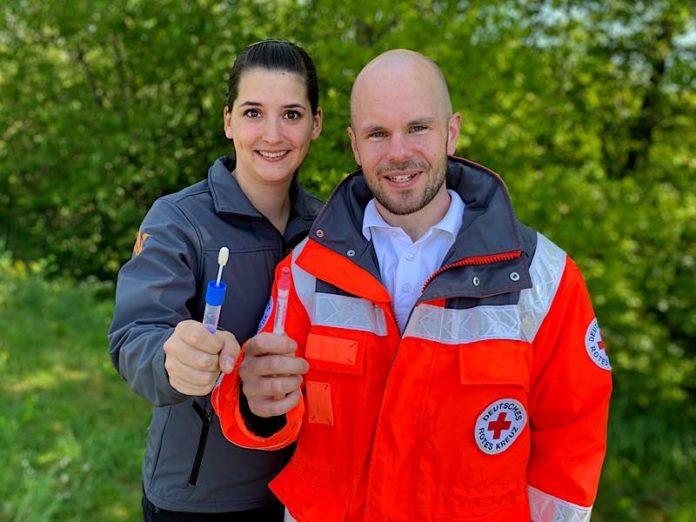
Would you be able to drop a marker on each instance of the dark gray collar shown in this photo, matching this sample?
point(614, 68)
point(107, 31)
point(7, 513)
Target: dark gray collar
point(229, 198)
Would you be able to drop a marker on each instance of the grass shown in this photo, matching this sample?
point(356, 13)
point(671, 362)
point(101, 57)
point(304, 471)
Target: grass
point(72, 433)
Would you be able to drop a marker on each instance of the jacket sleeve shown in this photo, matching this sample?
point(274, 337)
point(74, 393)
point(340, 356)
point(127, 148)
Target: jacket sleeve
point(237, 428)
point(152, 291)
point(569, 403)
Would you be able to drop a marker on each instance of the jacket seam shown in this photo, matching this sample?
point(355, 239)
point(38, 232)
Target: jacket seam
point(155, 464)
point(199, 268)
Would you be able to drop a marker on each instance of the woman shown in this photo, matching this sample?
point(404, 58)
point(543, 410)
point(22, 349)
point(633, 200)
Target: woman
point(252, 205)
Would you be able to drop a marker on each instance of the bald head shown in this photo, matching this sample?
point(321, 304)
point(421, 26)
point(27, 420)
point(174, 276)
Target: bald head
point(402, 130)
point(389, 71)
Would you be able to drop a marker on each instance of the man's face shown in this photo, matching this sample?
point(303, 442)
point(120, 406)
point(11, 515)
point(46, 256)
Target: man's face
point(401, 135)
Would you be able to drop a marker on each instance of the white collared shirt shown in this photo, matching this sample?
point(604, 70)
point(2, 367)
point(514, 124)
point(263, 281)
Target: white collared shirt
point(406, 265)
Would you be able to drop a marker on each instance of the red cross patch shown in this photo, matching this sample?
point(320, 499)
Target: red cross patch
point(595, 346)
point(499, 425)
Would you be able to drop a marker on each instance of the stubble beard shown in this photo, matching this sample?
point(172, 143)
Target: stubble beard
point(400, 205)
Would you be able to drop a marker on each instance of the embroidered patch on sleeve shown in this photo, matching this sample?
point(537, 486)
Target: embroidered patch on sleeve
point(140, 242)
point(595, 346)
point(499, 425)
point(266, 314)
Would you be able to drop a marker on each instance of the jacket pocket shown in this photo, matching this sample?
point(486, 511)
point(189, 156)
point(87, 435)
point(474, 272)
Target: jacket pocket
point(496, 363)
point(334, 363)
point(335, 354)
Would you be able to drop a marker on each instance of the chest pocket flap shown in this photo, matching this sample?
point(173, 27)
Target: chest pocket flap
point(336, 354)
point(500, 362)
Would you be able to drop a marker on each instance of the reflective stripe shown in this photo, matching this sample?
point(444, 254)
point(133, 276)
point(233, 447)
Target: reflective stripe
point(305, 284)
point(546, 271)
point(546, 508)
point(515, 322)
point(338, 311)
point(353, 313)
point(450, 326)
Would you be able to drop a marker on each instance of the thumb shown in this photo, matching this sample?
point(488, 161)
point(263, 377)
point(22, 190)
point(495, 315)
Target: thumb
point(230, 351)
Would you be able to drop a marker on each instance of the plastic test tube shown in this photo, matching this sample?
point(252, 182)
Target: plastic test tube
point(215, 295)
point(282, 301)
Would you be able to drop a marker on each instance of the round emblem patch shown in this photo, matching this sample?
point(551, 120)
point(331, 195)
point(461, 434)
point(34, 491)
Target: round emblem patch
point(499, 425)
point(266, 314)
point(595, 346)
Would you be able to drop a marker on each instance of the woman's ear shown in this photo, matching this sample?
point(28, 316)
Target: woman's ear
point(227, 119)
point(317, 120)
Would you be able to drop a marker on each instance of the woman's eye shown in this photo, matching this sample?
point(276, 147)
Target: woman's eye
point(252, 113)
point(292, 115)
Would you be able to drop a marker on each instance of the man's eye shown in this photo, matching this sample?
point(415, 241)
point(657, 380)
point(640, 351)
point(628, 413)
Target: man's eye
point(377, 134)
point(419, 128)
point(252, 113)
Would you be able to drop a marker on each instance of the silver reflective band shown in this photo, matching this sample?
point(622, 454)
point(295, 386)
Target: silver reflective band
point(338, 311)
point(515, 322)
point(546, 508)
point(304, 283)
point(464, 326)
point(352, 313)
point(546, 271)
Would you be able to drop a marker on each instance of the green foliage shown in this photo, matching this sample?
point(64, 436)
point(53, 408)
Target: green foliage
point(587, 109)
point(71, 432)
point(648, 474)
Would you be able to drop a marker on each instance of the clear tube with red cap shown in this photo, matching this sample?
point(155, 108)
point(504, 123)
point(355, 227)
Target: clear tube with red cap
point(282, 301)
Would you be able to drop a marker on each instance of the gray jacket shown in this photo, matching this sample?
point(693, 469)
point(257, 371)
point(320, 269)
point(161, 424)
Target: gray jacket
point(188, 465)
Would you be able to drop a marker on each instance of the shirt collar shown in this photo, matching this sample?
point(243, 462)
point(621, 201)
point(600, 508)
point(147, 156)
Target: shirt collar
point(450, 223)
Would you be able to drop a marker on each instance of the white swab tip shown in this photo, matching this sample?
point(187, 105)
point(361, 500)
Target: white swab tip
point(223, 256)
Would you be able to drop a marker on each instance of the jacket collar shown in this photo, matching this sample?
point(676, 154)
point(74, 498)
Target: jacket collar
point(489, 226)
point(228, 197)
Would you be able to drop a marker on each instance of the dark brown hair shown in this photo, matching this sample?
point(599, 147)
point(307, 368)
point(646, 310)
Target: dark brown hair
point(275, 55)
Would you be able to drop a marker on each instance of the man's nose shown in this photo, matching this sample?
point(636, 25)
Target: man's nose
point(398, 148)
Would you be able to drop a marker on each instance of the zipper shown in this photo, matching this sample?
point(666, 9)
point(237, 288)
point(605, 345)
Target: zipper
point(206, 415)
point(475, 260)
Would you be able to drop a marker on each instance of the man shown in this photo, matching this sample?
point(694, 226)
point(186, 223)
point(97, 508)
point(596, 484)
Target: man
point(453, 368)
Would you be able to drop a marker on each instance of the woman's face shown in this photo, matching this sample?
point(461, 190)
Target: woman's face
point(271, 124)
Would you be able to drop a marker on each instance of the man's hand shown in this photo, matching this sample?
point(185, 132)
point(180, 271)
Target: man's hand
point(195, 357)
point(271, 374)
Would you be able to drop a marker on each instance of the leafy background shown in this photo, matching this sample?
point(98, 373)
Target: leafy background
point(586, 108)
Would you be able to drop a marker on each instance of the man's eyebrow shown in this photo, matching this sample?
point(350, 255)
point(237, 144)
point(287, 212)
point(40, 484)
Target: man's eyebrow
point(368, 129)
point(373, 127)
point(426, 120)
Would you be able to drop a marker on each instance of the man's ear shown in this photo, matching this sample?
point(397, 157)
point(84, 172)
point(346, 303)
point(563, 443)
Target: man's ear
point(453, 128)
point(354, 145)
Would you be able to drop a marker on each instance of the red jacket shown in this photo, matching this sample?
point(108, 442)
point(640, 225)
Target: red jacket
point(492, 404)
